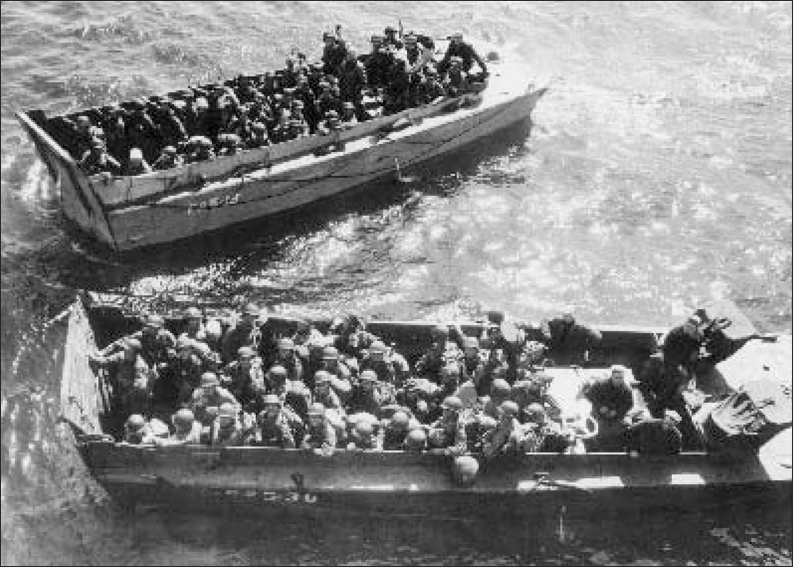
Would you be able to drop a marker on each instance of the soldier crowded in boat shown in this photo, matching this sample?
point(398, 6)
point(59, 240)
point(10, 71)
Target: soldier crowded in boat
point(298, 390)
point(201, 123)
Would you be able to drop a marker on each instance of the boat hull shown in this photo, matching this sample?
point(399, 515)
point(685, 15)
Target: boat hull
point(130, 213)
point(407, 486)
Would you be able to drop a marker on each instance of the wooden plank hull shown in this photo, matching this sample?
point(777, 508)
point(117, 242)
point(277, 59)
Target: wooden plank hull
point(267, 192)
point(394, 484)
point(256, 480)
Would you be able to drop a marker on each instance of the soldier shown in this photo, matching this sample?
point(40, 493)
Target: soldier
point(376, 63)
point(430, 89)
point(340, 373)
point(287, 356)
point(447, 435)
point(84, 133)
point(390, 38)
point(348, 119)
point(171, 128)
point(201, 149)
point(168, 159)
point(244, 377)
point(320, 435)
point(369, 395)
point(395, 432)
point(389, 366)
point(259, 138)
point(568, 341)
point(137, 431)
point(333, 53)
point(352, 79)
point(245, 332)
point(363, 437)
point(96, 159)
point(466, 53)
point(187, 431)
point(541, 435)
point(181, 375)
point(335, 412)
point(226, 430)
point(276, 427)
point(440, 352)
point(136, 165)
point(208, 397)
point(507, 435)
point(419, 397)
point(131, 377)
point(416, 440)
point(292, 393)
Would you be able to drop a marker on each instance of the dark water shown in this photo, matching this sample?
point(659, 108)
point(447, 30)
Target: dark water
point(657, 175)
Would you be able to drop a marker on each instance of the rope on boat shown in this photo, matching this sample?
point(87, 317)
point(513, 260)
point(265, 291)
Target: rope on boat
point(334, 175)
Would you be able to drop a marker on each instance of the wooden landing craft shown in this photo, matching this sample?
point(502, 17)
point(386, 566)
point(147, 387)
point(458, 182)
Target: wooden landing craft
point(126, 213)
point(243, 480)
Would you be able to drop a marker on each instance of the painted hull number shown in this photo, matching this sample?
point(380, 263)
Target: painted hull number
point(214, 203)
point(268, 496)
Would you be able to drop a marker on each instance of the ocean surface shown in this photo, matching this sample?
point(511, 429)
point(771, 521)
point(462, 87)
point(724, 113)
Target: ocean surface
point(656, 176)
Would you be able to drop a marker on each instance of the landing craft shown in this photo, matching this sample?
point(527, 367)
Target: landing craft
point(259, 480)
point(130, 212)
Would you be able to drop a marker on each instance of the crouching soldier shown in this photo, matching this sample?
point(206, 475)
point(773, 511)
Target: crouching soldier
point(540, 435)
point(137, 431)
point(447, 435)
point(187, 431)
point(208, 398)
point(364, 437)
point(395, 431)
point(131, 376)
point(244, 377)
point(226, 430)
point(506, 436)
point(320, 435)
point(275, 426)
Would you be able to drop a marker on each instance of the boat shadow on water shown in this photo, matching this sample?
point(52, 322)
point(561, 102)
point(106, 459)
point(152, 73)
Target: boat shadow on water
point(661, 536)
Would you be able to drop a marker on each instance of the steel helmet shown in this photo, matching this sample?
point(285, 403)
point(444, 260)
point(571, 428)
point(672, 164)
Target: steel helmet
point(378, 347)
point(246, 352)
point(400, 419)
point(227, 409)
point(135, 154)
point(184, 342)
point(330, 353)
point(500, 388)
point(286, 343)
point(316, 409)
point(271, 399)
point(183, 418)
point(322, 377)
point(135, 422)
point(368, 376)
point(133, 344)
point(190, 312)
point(209, 379)
point(470, 342)
point(465, 469)
point(535, 413)
point(364, 427)
point(452, 403)
point(153, 320)
point(509, 408)
point(251, 309)
point(416, 439)
point(278, 371)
